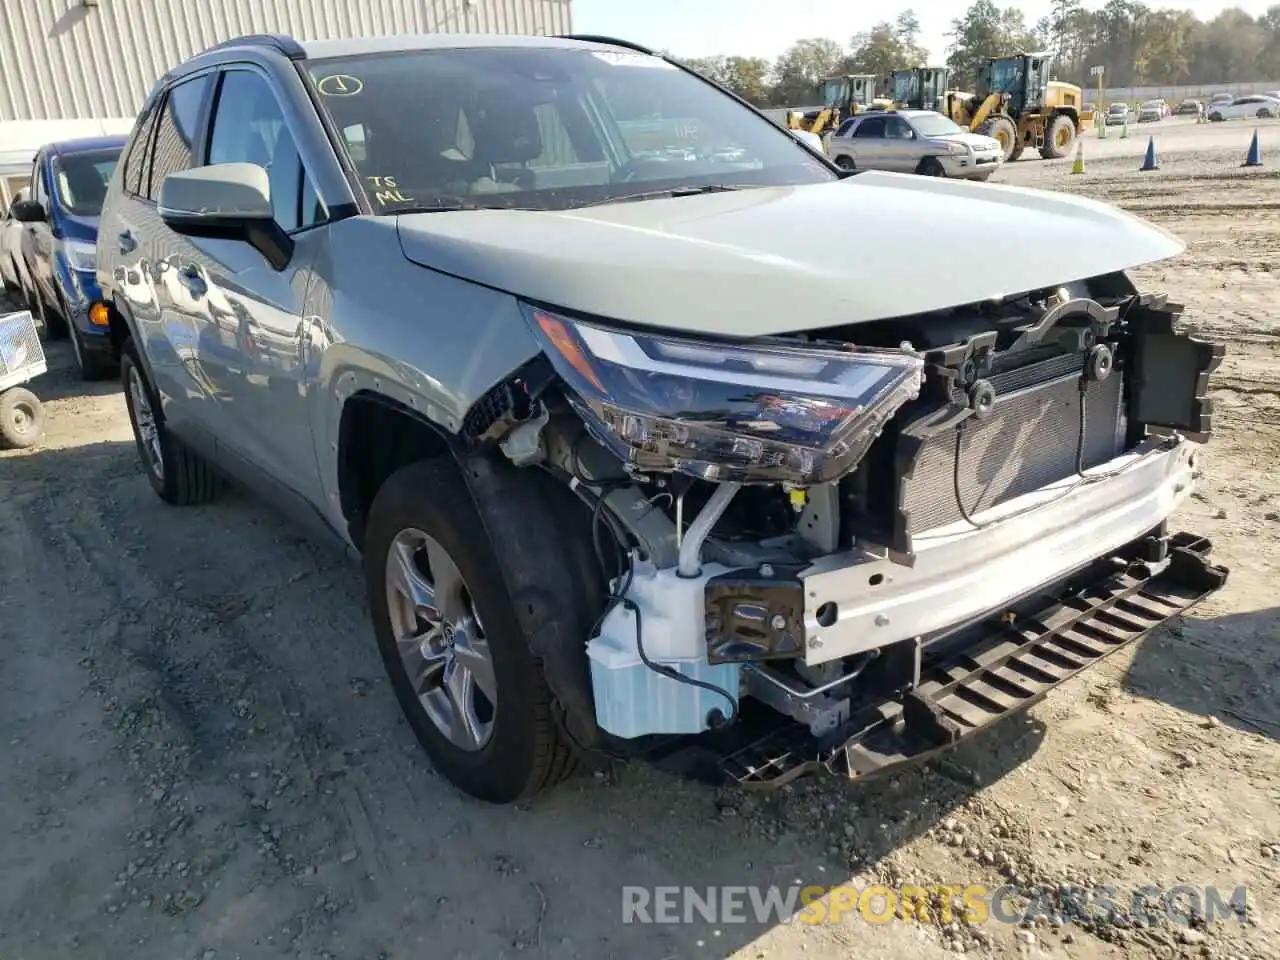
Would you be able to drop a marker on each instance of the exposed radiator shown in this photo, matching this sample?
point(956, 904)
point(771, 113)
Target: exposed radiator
point(1029, 440)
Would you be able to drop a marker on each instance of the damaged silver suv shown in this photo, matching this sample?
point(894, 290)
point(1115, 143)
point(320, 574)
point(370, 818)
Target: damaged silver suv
point(658, 435)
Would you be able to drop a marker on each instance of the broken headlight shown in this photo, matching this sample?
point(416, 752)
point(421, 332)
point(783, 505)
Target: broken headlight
point(753, 412)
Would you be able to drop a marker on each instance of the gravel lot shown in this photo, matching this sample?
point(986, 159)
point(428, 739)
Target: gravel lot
point(201, 757)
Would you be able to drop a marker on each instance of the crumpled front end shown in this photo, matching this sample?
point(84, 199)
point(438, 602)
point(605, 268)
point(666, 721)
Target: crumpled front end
point(856, 546)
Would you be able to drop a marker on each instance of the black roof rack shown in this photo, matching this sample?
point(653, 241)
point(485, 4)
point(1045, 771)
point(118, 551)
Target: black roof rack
point(290, 47)
point(595, 38)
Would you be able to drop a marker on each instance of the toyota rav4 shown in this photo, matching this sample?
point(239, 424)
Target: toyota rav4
point(658, 434)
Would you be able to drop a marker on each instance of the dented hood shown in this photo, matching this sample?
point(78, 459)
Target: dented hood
point(777, 260)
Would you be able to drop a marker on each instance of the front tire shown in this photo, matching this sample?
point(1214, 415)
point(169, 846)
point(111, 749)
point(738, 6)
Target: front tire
point(53, 325)
point(931, 167)
point(179, 476)
point(466, 680)
point(1001, 128)
point(91, 367)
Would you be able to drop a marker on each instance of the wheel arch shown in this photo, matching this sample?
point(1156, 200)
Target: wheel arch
point(524, 509)
point(377, 435)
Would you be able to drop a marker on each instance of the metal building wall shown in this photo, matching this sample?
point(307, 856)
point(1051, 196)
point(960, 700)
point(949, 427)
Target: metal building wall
point(60, 59)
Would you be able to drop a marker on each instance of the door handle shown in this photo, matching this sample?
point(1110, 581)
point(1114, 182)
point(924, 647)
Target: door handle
point(128, 242)
point(190, 278)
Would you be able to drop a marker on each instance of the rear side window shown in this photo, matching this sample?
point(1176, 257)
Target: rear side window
point(139, 150)
point(845, 128)
point(176, 133)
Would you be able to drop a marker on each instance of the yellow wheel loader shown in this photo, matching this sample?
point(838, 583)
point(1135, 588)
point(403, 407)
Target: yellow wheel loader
point(842, 97)
point(1017, 104)
point(919, 88)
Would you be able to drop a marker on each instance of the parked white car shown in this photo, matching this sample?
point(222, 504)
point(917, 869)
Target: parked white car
point(1118, 115)
point(914, 141)
point(1255, 105)
point(10, 244)
point(1151, 111)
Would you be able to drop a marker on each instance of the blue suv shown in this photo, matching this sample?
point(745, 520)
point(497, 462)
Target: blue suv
point(59, 246)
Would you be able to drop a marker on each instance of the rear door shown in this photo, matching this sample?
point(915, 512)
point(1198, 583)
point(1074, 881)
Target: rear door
point(37, 238)
point(143, 250)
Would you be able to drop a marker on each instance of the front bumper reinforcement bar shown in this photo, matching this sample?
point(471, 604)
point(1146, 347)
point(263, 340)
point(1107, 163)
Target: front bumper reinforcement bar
point(1009, 667)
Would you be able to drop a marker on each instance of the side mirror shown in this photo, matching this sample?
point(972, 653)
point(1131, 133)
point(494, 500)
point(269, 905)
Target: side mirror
point(28, 211)
point(226, 201)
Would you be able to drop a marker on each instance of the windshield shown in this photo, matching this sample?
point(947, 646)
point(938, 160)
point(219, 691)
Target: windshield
point(82, 180)
point(936, 126)
point(544, 129)
point(835, 92)
point(1119, 108)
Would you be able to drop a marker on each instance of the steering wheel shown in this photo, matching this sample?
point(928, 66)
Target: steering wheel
point(642, 168)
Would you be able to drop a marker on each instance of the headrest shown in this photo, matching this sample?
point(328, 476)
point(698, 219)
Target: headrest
point(506, 132)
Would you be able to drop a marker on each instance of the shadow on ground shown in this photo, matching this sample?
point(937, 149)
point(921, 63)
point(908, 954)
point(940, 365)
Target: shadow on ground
point(230, 641)
point(1227, 667)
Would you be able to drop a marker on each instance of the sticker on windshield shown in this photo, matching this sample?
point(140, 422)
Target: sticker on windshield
point(619, 59)
point(340, 85)
point(387, 191)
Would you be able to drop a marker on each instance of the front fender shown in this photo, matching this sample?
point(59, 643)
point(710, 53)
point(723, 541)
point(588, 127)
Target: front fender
point(429, 342)
point(541, 535)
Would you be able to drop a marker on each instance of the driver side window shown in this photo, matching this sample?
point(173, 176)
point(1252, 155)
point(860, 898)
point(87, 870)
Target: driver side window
point(249, 127)
point(897, 129)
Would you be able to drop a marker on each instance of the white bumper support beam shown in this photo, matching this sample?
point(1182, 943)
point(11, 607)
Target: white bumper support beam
point(858, 601)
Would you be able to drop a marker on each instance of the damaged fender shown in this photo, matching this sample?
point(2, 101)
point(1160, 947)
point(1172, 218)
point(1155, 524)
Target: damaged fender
point(532, 522)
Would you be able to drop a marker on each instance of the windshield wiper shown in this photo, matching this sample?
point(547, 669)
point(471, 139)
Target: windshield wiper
point(688, 191)
point(438, 204)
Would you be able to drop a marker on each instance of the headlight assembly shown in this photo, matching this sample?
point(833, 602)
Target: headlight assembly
point(753, 412)
point(81, 255)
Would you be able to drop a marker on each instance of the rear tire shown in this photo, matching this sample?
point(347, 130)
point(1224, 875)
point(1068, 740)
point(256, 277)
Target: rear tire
point(845, 162)
point(21, 418)
point(1264, 114)
point(523, 748)
point(1059, 138)
point(1001, 128)
point(179, 476)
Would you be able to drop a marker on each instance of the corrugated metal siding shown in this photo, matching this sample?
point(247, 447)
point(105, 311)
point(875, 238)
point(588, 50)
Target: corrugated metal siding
point(61, 60)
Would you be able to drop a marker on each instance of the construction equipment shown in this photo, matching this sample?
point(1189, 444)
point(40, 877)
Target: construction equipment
point(918, 88)
point(842, 97)
point(1017, 104)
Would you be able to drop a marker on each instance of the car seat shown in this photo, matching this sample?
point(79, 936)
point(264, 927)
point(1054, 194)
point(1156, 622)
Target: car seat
point(507, 132)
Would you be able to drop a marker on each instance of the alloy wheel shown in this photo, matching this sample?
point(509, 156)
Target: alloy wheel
point(144, 420)
point(441, 640)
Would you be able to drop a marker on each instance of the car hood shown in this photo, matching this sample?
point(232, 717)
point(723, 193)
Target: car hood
point(79, 228)
point(975, 141)
point(776, 260)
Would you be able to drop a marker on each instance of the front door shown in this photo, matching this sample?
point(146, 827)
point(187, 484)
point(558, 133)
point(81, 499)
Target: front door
point(253, 313)
point(868, 144)
point(900, 146)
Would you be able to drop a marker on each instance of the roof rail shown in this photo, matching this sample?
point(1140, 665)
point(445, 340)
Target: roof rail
point(290, 47)
point(596, 38)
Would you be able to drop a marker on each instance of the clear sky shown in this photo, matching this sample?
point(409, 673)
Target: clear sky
point(764, 28)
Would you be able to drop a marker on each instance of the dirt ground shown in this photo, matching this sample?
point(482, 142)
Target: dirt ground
point(202, 759)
